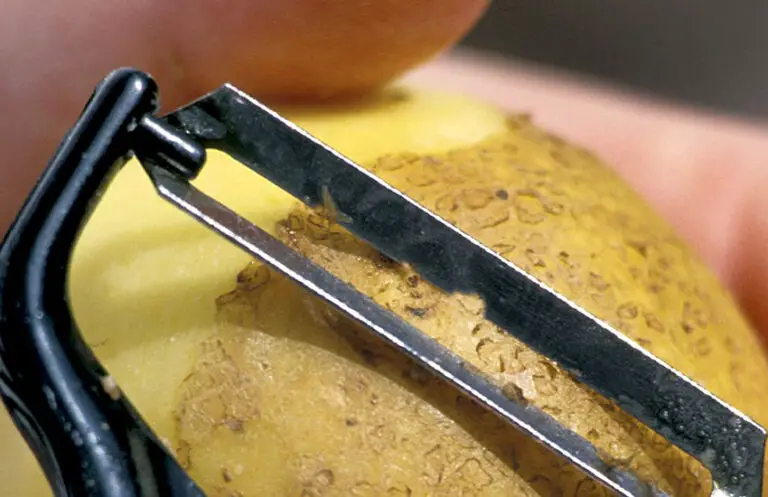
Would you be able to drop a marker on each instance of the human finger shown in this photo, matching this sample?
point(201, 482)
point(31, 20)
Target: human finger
point(292, 49)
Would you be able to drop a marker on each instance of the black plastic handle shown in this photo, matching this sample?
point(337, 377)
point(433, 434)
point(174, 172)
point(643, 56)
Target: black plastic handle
point(89, 439)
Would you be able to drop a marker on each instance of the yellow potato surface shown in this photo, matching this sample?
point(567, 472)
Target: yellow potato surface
point(337, 415)
point(145, 277)
point(263, 391)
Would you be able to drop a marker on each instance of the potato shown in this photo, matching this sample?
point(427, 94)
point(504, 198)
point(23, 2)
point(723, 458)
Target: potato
point(263, 391)
point(145, 277)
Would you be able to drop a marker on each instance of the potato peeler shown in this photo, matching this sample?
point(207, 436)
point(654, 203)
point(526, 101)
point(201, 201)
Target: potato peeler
point(91, 441)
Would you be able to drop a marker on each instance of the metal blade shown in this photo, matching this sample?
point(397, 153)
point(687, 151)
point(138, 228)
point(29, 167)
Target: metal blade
point(726, 441)
point(435, 358)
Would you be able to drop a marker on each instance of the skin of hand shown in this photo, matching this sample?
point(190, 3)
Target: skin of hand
point(52, 57)
point(704, 173)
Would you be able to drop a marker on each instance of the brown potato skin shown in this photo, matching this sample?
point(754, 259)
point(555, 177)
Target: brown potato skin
point(281, 386)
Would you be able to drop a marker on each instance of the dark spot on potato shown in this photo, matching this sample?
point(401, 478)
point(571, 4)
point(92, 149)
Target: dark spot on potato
point(419, 312)
point(236, 425)
point(226, 475)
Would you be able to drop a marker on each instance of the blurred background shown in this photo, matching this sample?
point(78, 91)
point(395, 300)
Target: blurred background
point(708, 53)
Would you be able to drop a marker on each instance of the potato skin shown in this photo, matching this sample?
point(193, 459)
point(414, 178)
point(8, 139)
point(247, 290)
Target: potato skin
point(285, 399)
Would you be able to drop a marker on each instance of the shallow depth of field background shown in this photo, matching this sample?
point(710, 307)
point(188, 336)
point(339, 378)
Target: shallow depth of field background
point(706, 53)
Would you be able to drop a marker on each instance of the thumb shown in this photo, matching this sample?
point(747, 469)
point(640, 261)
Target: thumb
point(299, 49)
